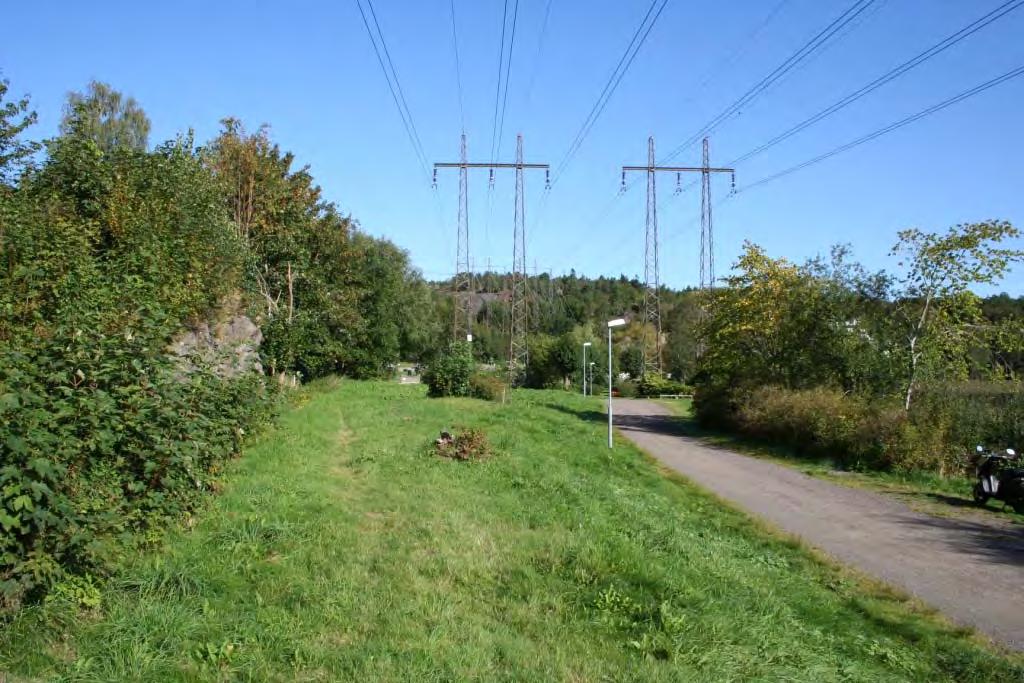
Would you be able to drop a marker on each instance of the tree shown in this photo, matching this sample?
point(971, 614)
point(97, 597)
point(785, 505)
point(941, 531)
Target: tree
point(769, 325)
point(935, 305)
point(15, 153)
point(106, 117)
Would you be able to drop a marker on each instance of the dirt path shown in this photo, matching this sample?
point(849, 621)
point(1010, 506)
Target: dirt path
point(972, 572)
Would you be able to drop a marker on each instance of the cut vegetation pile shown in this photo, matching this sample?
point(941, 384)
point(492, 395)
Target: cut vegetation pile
point(337, 551)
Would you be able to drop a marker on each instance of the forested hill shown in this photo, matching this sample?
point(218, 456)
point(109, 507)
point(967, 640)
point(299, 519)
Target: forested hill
point(567, 310)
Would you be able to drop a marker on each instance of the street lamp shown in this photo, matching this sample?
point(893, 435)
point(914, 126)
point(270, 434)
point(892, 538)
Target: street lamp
point(585, 345)
point(618, 322)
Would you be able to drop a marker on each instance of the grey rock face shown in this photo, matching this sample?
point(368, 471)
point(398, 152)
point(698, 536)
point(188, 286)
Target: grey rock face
point(231, 348)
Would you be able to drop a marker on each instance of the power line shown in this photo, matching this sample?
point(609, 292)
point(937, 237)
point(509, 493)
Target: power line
point(891, 75)
point(458, 67)
point(540, 50)
point(609, 89)
point(611, 85)
point(508, 70)
point(393, 83)
point(497, 90)
point(891, 127)
point(744, 45)
point(809, 48)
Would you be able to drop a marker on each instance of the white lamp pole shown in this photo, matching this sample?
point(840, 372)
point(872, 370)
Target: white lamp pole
point(618, 322)
point(585, 345)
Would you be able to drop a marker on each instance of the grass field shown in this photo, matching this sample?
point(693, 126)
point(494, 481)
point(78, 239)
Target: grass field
point(341, 549)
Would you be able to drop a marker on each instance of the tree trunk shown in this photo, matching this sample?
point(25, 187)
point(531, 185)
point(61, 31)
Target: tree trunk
point(913, 373)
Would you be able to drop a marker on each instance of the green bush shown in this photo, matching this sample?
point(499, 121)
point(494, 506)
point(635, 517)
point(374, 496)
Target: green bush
point(488, 387)
point(653, 385)
point(972, 413)
point(450, 372)
point(715, 405)
point(104, 256)
point(627, 388)
point(936, 436)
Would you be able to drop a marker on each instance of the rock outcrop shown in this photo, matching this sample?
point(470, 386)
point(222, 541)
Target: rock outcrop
point(231, 348)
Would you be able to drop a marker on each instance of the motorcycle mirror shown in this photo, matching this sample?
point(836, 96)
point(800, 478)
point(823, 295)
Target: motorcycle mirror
point(980, 449)
point(1010, 451)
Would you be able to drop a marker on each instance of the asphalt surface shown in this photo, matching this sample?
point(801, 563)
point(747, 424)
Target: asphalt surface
point(971, 571)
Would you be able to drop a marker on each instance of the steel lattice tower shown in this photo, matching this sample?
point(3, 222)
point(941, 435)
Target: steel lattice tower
point(707, 234)
point(652, 307)
point(518, 351)
point(463, 281)
point(652, 296)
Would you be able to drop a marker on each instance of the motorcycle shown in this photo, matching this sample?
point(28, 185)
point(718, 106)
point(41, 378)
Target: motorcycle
point(998, 479)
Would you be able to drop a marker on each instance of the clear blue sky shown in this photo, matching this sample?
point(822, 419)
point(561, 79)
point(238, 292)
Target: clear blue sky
point(308, 70)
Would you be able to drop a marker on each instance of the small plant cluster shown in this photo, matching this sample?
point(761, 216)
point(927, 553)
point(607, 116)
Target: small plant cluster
point(465, 444)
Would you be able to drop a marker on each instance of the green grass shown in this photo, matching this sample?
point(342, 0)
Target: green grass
point(341, 549)
point(923, 491)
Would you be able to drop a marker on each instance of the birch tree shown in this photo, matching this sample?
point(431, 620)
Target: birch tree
point(935, 306)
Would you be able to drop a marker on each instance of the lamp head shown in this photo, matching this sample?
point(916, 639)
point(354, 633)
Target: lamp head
point(618, 322)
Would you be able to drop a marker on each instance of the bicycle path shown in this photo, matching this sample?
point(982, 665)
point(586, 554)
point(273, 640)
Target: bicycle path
point(971, 571)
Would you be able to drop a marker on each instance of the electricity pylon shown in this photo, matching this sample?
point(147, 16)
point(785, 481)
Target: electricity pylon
point(520, 304)
point(707, 234)
point(518, 353)
point(652, 298)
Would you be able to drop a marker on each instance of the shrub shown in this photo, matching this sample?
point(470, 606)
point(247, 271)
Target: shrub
point(715, 405)
point(97, 439)
point(450, 372)
point(989, 413)
point(855, 432)
point(465, 444)
point(488, 387)
point(627, 388)
point(104, 258)
point(653, 385)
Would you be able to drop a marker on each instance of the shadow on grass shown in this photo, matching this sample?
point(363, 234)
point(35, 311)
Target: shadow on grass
point(588, 415)
point(953, 501)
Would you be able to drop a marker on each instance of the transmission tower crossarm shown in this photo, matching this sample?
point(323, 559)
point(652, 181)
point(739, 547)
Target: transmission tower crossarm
point(679, 169)
point(456, 164)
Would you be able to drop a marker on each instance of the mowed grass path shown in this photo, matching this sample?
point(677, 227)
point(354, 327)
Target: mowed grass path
point(341, 549)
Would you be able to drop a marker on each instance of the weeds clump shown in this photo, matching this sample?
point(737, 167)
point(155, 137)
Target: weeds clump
point(465, 444)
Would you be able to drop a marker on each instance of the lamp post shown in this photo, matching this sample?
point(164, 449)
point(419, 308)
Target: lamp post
point(585, 345)
point(618, 322)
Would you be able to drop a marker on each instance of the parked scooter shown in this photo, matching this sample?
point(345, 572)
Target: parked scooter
point(997, 479)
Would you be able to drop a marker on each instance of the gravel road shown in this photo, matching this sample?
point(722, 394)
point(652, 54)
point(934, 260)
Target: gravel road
point(971, 571)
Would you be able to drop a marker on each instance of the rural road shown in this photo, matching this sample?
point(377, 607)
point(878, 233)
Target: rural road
point(971, 571)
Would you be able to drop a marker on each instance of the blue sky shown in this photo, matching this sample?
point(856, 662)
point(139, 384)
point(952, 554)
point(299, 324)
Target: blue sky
point(308, 69)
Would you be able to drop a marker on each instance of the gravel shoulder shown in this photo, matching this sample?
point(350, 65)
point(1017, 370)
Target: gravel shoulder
point(971, 571)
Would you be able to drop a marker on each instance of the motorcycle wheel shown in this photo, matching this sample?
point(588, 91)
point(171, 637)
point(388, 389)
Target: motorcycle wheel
point(980, 497)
